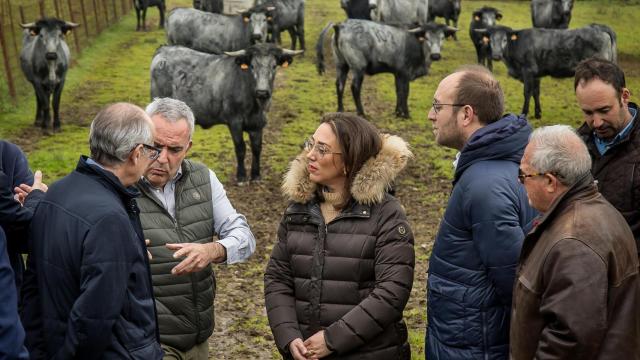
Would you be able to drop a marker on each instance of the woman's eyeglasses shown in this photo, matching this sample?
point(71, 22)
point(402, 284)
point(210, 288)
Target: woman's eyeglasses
point(320, 149)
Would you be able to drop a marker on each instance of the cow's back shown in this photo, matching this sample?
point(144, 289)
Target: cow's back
point(207, 32)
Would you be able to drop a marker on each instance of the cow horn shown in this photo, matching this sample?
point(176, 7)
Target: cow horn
point(271, 8)
point(415, 30)
point(26, 26)
point(451, 28)
point(71, 25)
point(480, 31)
point(235, 53)
point(292, 52)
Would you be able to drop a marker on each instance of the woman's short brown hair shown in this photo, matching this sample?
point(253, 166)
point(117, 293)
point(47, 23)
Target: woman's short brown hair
point(359, 140)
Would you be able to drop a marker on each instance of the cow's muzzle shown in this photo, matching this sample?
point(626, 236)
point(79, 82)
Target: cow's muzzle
point(435, 57)
point(262, 94)
point(497, 57)
point(256, 36)
point(51, 56)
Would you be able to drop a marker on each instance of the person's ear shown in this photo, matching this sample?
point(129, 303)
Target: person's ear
point(625, 95)
point(188, 146)
point(468, 113)
point(551, 182)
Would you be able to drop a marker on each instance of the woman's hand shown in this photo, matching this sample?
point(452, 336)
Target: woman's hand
point(297, 349)
point(316, 346)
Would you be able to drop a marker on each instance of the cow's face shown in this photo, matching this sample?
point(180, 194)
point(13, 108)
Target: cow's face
point(487, 16)
point(499, 39)
point(259, 25)
point(49, 35)
point(432, 37)
point(456, 6)
point(566, 6)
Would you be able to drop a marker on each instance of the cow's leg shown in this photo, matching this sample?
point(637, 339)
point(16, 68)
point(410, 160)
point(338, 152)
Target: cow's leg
point(300, 31)
point(57, 93)
point(46, 109)
point(536, 97)
point(402, 94)
point(161, 9)
point(137, 19)
point(238, 144)
point(39, 100)
point(256, 149)
point(356, 88)
point(341, 79)
point(528, 87)
point(144, 18)
point(455, 25)
point(293, 33)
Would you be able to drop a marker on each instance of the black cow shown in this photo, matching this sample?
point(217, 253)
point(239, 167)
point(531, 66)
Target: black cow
point(356, 9)
point(233, 89)
point(212, 6)
point(44, 60)
point(215, 33)
point(289, 16)
point(482, 19)
point(141, 7)
point(448, 9)
point(400, 12)
point(367, 47)
point(551, 14)
point(533, 53)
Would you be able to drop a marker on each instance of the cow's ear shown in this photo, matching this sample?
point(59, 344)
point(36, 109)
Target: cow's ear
point(68, 26)
point(246, 16)
point(243, 61)
point(285, 60)
point(513, 35)
point(33, 29)
point(449, 31)
point(498, 16)
point(477, 15)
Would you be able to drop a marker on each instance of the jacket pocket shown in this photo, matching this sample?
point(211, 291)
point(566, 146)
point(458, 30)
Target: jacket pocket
point(149, 351)
point(446, 310)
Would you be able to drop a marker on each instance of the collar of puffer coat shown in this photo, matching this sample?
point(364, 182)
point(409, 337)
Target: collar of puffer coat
point(369, 185)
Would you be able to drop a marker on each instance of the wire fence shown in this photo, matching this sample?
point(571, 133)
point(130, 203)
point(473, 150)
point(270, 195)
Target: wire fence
point(94, 17)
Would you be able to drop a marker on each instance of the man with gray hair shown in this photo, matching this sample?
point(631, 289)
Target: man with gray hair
point(576, 291)
point(183, 208)
point(88, 291)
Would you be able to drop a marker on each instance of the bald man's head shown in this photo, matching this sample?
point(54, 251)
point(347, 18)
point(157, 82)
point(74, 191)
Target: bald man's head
point(477, 87)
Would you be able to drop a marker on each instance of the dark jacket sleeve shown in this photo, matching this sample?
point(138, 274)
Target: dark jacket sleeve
point(574, 302)
point(11, 331)
point(394, 265)
point(492, 205)
point(31, 314)
point(279, 294)
point(104, 274)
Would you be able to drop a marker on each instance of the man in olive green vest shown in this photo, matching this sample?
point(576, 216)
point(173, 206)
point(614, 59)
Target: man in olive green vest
point(182, 207)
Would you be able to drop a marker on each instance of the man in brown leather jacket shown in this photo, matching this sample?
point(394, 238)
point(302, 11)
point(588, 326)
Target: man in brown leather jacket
point(576, 291)
point(612, 134)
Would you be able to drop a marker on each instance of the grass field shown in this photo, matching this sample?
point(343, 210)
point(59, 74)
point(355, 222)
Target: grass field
point(116, 68)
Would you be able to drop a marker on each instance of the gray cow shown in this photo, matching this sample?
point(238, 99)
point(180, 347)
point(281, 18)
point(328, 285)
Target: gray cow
point(367, 47)
point(44, 60)
point(233, 89)
point(289, 16)
point(215, 33)
point(448, 9)
point(533, 53)
point(551, 14)
point(141, 7)
point(400, 12)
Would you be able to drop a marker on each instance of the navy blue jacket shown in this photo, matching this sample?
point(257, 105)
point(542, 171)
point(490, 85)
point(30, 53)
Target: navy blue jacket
point(14, 165)
point(472, 266)
point(88, 291)
point(11, 331)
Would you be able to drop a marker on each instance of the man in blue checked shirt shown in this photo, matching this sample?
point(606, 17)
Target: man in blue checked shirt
point(183, 208)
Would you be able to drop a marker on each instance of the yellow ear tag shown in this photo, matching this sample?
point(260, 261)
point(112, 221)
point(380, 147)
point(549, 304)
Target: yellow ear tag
point(244, 66)
point(67, 32)
point(485, 40)
point(269, 18)
point(246, 19)
point(421, 38)
point(32, 33)
point(514, 37)
point(477, 18)
point(285, 64)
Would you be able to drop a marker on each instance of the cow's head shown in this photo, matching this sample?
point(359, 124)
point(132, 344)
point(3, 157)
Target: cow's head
point(457, 6)
point(49, 35)
point(564, 6)
point(487, 16)
point(261, 60)
point(499, 37)
point(258, 19)
point(431, 37)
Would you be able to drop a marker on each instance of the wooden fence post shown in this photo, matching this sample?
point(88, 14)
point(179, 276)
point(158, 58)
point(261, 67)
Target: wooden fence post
point(41, 6)
point(124, 6)
point(57, 7)
point(21, 14)
point(7, 65)
point(95, 14)
point(85, 24)
point(106, 12)
point(115, 13)
point(13, 28)
point(75, 33)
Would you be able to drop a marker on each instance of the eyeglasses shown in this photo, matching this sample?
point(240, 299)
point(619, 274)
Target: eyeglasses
point(151, 151)
point(322, 150)
point(437, 106)
point(522, 176)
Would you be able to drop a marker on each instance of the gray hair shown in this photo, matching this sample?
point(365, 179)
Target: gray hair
point(558, 149)
point(173, 111)
point(116, 130)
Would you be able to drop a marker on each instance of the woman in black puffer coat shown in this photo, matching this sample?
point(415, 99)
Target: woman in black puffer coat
point(341, 271)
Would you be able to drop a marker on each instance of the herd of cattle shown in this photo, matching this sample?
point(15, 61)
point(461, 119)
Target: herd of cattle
point(223, 66)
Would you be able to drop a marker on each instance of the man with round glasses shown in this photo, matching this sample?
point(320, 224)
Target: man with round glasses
point(183, 209)
point(88, 290)
point(472, 267)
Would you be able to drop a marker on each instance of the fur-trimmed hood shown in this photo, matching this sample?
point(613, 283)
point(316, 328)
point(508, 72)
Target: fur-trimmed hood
point(369, 185)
